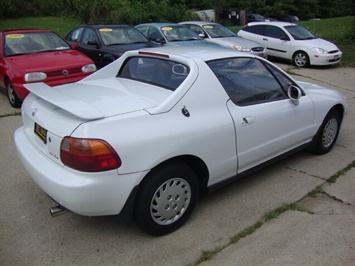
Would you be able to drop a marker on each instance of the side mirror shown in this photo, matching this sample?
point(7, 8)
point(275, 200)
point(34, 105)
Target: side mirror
point(75, 46)
point(158, 40)
point(294, 93)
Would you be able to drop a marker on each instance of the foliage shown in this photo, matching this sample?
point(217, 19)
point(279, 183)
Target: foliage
point(137, 11)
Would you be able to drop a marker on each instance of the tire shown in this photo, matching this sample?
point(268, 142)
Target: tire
point(12, 96)
point(301, 59)
point(327, 133)
point(166, 198)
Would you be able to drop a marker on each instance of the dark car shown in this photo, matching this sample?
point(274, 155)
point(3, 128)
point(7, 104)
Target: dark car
point(286, 18)
point(105, 43)
point(252, 17)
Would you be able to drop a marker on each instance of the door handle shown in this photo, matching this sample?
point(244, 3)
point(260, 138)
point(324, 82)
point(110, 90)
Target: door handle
point(248, 120)
point(264, 39)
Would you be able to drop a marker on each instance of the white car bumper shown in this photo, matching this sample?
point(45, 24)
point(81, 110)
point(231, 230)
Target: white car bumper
point(90, 194)
point(325, 59)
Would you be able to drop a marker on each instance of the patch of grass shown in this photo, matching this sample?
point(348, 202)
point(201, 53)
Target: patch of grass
point(16, 113)
point(343, 171)
point(60, 25)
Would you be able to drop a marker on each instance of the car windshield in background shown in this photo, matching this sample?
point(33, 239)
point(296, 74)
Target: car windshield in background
point(299, 33)
point(177, 33)
point(218, 31)
point(34, 42)
point(164, 73)
point(112, 36)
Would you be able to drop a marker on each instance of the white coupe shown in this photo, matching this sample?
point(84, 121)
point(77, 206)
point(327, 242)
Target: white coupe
point(145, 135)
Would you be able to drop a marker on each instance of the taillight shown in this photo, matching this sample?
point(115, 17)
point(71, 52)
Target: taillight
point(88, 155)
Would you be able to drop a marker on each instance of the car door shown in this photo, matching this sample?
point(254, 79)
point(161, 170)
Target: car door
point(267, 122)
point(89, 44)
point(277, 42)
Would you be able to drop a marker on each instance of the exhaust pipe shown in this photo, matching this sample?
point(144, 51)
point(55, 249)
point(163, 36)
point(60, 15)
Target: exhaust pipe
point(57, 210)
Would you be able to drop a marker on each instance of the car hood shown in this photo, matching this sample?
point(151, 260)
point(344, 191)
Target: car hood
point(99, 98)
point(319, 43)
point(47, 61)
point(315, 91)
point(193, 43)
point(230, 41)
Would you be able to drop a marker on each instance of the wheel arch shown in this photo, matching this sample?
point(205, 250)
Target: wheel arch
point(197, 165)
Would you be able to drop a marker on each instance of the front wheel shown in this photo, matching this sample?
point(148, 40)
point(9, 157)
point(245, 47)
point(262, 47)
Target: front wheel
point(328, 133)
point(12, 96)
point(301, 59)
point(166, 199)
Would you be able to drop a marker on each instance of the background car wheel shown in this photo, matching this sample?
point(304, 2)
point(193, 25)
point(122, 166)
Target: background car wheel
point(301, 59)
point(11, 95)
point(166, 199)
point(328, 133)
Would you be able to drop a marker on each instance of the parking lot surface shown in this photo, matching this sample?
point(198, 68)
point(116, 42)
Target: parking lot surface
point(30, 236)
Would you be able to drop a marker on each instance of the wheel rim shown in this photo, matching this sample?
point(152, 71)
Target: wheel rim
point(170, 201)
point(300, 60)
point(11, 93)
point(329, 132)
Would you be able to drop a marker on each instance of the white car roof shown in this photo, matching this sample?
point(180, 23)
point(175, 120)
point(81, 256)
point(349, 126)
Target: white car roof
point(275, 23)
point(201, 52)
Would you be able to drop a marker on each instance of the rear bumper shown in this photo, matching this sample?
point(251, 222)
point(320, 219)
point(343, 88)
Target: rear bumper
point(90, 194)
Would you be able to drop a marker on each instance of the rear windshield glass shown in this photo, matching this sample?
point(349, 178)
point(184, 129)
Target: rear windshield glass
point(161, 72)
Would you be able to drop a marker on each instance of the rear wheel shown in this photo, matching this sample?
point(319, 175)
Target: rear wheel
point(12, 96)
point(166, 199)
point(328, 133)
point(301, 59)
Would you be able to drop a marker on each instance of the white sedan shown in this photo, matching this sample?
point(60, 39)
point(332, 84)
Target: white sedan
point(291, 41)
point(219, 34)
point(145, 135)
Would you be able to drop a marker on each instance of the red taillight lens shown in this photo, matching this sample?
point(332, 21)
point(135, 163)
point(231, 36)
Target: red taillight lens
point(88, 155)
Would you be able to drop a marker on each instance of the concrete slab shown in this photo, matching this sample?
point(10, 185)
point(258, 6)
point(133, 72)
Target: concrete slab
point(29, 236)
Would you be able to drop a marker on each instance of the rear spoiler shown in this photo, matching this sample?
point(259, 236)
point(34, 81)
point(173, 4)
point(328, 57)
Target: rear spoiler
point(64, 101)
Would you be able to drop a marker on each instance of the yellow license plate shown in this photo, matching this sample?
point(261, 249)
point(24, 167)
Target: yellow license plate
point(41, 133)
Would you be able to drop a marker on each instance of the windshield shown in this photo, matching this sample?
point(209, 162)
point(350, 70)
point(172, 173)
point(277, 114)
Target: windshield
point(33, 42)
point(111, 36)
point(217, 31)
point(299, 33)
point(179, 33)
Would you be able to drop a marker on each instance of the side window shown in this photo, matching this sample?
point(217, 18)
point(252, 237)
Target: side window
point(154, 34)
point(257, 29)
point(247, 81)
point(275, 32)
point(90, 37)
point(196, 29)
point(159, 72)
point(284, 81)
point(75, 35)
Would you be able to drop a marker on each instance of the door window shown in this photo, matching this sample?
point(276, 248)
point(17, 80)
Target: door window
point(247, 81)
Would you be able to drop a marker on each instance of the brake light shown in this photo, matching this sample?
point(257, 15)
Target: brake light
point(154, 54)
point(88, 155)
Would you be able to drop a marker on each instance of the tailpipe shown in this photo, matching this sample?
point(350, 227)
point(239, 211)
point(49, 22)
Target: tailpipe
point(57, 210)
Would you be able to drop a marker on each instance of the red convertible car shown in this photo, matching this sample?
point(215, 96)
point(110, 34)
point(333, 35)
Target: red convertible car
point(33, 55)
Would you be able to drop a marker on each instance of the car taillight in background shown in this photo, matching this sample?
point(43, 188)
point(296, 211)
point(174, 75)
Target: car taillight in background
point(88, 155)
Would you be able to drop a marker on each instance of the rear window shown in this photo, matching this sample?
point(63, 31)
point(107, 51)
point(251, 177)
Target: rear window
point(257, 29)
point(161, 72)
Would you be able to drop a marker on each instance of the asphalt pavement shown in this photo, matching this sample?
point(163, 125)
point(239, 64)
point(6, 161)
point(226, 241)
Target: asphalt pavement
point(319, 231)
